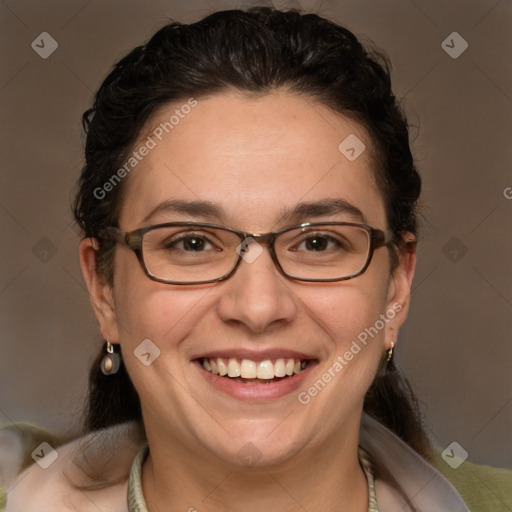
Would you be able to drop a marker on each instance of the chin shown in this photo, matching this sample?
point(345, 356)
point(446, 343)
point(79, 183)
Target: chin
point(258, 444)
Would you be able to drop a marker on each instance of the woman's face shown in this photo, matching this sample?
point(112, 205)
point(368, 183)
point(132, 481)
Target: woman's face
point(255, 159)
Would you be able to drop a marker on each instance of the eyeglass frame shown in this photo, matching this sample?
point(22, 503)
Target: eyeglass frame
point(134, 239)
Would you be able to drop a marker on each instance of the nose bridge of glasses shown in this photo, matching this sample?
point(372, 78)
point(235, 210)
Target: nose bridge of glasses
point(250, 248)
point(260, 238)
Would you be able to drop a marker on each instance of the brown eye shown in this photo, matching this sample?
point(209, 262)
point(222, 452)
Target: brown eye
point(320, 243)
point(193, 244)
point(189, 242)
point(316, 244)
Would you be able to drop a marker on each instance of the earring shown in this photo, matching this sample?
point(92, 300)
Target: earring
point(111, 361)
point(390, 352)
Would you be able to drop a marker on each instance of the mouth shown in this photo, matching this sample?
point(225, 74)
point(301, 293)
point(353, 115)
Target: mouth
point(247, 371)
point(257, 379)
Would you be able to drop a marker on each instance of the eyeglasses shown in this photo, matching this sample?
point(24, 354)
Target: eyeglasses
point(196, 253)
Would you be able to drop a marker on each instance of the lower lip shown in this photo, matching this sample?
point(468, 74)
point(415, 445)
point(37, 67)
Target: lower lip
point(255, 392)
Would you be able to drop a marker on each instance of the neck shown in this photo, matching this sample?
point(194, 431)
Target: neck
point(327, 480)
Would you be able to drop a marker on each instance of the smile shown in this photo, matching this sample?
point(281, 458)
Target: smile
point(248, 371)
point(255, 377)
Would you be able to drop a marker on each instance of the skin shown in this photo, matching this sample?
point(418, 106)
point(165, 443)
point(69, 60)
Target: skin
point(252, 156)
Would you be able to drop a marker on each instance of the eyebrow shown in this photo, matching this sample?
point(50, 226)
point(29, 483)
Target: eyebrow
point(204, 209)
point(322, 208)
point(300, 212)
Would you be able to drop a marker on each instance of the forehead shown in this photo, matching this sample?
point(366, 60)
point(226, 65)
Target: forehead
point(253, 157)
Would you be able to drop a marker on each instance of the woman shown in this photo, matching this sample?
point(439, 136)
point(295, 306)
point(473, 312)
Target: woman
point(249, 210)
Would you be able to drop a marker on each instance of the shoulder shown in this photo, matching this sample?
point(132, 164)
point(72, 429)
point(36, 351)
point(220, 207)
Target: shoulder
point(481, 487)
point(88, 474)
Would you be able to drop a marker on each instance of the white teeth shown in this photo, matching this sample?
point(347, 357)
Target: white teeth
point(247, 369)
point(280, 368)
point(223, 369)
point(233, 368)
point(265, 370)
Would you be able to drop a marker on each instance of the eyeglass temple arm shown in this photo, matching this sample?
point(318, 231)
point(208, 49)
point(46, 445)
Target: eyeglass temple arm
point(381, 238)
point(132, 240)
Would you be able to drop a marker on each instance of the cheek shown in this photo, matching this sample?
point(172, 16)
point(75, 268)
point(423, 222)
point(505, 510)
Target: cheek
point(157, 320)
point(160, 314)
point(146, 309)
point(351, 315)
point(349, 309)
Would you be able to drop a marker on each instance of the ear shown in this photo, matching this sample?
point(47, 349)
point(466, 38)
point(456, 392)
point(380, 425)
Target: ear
point(101, 293)
point(399, 290)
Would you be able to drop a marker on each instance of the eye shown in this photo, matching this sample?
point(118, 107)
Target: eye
point(320, 243)
point(316, 243)
point(193, 243)
point(190, 242)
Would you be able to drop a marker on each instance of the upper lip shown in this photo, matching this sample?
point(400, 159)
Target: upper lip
point(256, 355)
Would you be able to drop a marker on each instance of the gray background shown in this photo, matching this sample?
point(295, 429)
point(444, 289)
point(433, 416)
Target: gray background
point(455, 347)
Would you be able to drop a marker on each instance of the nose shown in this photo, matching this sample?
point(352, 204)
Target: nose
point(257, 296)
